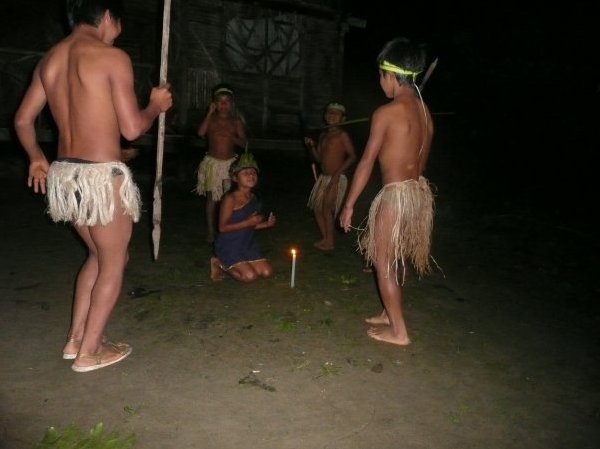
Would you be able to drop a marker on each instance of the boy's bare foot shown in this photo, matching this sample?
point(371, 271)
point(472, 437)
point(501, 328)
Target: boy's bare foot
point(109, 354)
point(323, 246)
point(385, 334)
point(216, 273)
point(379, 320)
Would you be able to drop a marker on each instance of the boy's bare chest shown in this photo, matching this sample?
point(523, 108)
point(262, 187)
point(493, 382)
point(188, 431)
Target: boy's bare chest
point(223, 125)
point(331, 143)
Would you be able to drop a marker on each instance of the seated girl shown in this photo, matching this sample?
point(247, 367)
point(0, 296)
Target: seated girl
point(237, 253)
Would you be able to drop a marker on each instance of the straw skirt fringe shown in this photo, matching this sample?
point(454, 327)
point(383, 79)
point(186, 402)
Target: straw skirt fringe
point(403, 212)
point(212, 174)
point(83, 193)
point(318, 192)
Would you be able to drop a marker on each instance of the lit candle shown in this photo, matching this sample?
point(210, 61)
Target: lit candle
point(293, 277)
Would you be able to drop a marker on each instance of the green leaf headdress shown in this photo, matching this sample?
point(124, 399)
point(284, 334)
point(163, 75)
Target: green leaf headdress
point(245, 160)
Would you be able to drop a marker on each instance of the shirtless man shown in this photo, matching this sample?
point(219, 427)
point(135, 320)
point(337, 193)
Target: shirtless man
point(88, 85)
point(401, 216)
point(224, 132)
point(335, 153)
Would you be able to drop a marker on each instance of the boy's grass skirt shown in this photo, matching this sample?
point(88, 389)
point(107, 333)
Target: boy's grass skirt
point(402, 214)
point(317, 195)
point(83, 193)
point(213, 173)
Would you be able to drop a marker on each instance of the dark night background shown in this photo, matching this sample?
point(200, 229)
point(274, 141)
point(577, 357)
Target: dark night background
point(515, 96)
point(515, 93)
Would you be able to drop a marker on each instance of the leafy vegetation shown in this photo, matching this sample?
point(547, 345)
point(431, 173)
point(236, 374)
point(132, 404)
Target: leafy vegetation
point(73, 438)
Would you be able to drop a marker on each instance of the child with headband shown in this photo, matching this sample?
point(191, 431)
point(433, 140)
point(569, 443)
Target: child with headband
point(225, 131)
point(401, 215)
point(335, 154)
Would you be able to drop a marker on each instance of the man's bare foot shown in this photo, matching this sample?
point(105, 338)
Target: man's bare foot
point(216, 272)
point(379, 320)
point(385, 334)
point(323, 246)
point(109, 354)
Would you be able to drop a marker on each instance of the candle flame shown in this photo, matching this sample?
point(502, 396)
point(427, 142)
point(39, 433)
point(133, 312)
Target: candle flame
point(293, 252)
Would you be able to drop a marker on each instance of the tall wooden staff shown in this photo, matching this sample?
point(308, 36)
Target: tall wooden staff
point(160, 145)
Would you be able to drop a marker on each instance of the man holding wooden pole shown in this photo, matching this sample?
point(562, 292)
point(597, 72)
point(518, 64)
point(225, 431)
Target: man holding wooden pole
point(89, 85)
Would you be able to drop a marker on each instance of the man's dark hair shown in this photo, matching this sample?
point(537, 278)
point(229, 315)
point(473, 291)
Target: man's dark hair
point(90, 11)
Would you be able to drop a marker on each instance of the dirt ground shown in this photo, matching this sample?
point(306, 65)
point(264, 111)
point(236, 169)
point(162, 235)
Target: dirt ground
point(504, 352)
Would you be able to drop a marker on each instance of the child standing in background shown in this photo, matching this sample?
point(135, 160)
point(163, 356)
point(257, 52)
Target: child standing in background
point(335, 154)
point(224, 131)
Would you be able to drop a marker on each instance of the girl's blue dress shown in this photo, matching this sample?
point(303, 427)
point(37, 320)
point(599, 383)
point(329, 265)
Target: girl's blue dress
point(239, 246)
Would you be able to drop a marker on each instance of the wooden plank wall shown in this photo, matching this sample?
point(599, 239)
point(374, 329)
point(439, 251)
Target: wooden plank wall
point(274, 105)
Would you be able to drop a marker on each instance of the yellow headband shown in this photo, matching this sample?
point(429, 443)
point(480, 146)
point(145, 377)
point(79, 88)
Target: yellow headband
point(389, 67)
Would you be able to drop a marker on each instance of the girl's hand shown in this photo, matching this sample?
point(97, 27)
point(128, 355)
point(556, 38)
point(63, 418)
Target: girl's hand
point(268, 223)
point(255, 219)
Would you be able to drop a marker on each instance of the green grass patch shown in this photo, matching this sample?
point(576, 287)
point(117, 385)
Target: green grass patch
point(74, 438)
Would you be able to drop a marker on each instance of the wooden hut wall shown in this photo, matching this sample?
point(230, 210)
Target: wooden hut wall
point(196, 58)
point(323, 77)
point(298, 73)
point(272, 78)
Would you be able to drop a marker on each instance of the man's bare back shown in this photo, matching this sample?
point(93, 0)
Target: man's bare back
point(100, 103)
point(88, 85)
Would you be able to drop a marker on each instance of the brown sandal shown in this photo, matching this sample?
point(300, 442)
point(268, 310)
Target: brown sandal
point(121, 349)
point(73, 355)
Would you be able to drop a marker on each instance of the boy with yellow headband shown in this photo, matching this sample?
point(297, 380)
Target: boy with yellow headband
point(401, 215)
point(335, 154)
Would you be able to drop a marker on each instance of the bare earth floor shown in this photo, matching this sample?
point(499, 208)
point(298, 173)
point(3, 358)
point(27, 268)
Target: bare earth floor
point(504, 352)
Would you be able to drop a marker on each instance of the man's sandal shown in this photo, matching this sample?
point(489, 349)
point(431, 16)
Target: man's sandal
point(73, 355)
point(121, 349)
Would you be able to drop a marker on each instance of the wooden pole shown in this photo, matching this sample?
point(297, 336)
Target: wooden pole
point(160, 145)
point(428, 73)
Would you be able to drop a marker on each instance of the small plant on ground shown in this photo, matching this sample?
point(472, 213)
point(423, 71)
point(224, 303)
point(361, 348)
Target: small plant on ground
point(73, 438)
